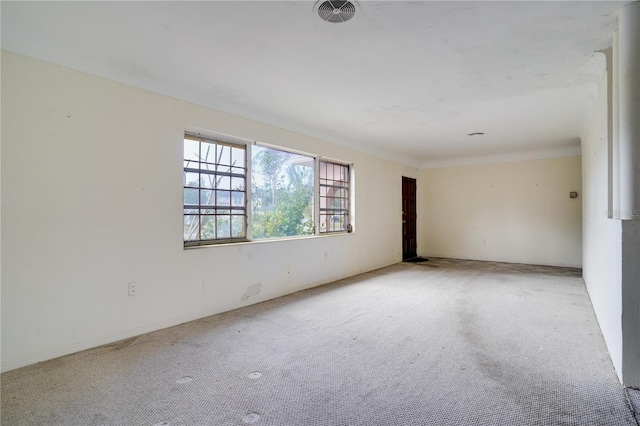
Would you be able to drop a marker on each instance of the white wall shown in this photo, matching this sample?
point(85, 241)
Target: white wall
point(631, 303)
point(92, 200)
point(602, 236)
point(510, 212)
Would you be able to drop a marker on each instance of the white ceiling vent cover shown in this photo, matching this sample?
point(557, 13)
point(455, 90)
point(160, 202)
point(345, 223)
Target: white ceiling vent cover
point(335, 11)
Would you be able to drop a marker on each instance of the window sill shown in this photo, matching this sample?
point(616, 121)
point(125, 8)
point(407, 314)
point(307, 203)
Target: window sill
point(268, 240)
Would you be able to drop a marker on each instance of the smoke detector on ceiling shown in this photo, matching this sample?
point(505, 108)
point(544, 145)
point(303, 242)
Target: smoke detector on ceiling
point(336, 11)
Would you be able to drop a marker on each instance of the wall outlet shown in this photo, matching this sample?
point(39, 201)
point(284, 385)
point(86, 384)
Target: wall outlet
point(133, 289)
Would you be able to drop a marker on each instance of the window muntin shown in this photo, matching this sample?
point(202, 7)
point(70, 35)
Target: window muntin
point(334, 197)
point(281, 193)
point(214, 182)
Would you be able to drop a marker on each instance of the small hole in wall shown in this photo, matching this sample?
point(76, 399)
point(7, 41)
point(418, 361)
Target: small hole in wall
point(476, 134)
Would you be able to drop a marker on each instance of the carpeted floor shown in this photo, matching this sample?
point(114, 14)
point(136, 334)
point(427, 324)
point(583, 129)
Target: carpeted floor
point(437, 343)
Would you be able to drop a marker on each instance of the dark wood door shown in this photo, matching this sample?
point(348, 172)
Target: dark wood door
point(409, 238)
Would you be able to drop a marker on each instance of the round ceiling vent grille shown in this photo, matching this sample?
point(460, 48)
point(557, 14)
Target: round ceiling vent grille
point(336, 11)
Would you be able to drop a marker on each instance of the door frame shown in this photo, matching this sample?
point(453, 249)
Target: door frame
point(409, 218)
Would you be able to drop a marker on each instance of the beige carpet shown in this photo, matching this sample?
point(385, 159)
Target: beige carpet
point(438, 343)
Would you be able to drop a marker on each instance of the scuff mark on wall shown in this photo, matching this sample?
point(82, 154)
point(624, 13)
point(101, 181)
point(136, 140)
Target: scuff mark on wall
point(252, 290)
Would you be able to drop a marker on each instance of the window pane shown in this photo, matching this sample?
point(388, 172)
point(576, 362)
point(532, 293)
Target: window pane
point(237, 199)
point(224, 226)
point(237, 184)
point(190, 179)
point(207, 197)
point(224, 155)
point(191, 151)
point(237, 226)
point(208, 228)
point(224, 182)
point(224, 198)
point(330, 171)
point(191, 197)
point(282, 191)
point(191, 228)
point(207, 181)
point(208, 152)
point(237, 157)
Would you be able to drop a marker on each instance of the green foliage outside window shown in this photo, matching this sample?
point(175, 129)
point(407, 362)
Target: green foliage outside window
point(281, 194)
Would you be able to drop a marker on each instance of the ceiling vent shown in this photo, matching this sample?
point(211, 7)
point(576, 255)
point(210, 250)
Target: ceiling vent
point(335, 11)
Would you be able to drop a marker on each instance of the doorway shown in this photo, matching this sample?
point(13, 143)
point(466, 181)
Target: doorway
point(409, 237)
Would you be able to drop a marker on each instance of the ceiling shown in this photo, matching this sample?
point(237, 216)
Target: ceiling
point(406, 80)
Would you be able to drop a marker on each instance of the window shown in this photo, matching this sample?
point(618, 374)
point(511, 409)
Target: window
point(334, 197)
point(241, 192)
point(214, 182)
point(281, 193)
